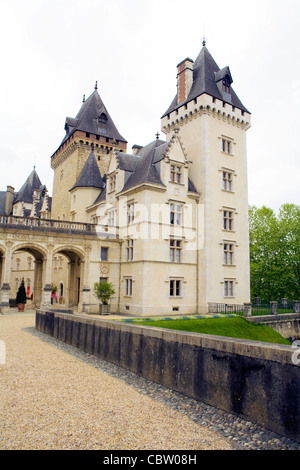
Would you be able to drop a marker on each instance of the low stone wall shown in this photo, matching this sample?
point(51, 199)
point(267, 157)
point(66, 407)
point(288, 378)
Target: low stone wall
point(258, 381)
point(287, 324)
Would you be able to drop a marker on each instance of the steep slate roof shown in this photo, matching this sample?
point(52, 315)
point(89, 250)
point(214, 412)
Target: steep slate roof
point(127, 162)
point(87, 120)
point(31, 184)
point(145, 171)
point(205, 73)
point(90, 176)
point(142, 168)
point(101, 197)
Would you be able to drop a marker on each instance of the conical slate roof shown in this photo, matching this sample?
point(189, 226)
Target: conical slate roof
point(31, 184)
point(205, 76)
point(90, 176)
point(93, 118)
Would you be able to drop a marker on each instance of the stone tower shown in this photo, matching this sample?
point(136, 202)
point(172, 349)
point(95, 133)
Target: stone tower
point(92, 130)
point(212, 124)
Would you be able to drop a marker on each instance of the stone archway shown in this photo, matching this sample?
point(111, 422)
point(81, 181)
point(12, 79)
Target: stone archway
point(39, 255)
point(72, 274)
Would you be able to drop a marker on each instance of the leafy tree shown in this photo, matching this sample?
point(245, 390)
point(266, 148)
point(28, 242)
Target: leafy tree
point(275, 252)
point(104, 291)
point(289, 225)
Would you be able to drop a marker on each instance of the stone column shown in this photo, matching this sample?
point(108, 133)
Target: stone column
point(296, 306)
point(38, 282)
point(247, 310)
point(70, 285)
point(274, 308)
point(5, 288)
point(84, 305)
point(47, 275)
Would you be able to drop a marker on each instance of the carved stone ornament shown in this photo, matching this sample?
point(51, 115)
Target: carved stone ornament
point(104, 269)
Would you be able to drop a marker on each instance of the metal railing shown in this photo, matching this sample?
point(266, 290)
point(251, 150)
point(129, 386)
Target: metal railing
point(265, 308)
point(225, 308)
point(269, 308)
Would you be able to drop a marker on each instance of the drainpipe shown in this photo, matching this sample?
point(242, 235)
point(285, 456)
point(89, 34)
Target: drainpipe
point(120, 261)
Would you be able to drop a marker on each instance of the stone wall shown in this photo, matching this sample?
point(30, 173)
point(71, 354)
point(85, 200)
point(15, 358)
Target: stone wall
point(288, 325)
point(257, 381)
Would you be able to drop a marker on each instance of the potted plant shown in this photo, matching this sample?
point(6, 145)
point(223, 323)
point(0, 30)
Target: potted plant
point(21, 298)
point(104, 290)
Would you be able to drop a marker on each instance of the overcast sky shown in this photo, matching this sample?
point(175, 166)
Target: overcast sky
point(53, 52)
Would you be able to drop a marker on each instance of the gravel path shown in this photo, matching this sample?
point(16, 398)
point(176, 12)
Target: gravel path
point(53, 396)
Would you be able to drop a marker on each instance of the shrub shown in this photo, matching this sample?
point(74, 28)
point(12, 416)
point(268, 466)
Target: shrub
point(104, 291)
point(21, 294)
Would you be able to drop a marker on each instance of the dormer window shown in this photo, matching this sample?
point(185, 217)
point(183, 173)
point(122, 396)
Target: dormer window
point(102, 120)
point(112, 183)
point(224, 80)
point(226, 85)
point(175, 174)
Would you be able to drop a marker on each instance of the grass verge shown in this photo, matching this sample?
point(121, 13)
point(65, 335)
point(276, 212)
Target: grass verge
point(232, 327)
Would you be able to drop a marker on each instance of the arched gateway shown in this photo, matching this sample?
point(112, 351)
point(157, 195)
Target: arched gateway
point(44, 240)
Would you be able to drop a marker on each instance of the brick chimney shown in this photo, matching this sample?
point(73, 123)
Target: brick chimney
point(184, 79)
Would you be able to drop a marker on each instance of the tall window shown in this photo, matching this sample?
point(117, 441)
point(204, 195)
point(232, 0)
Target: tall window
point(175, 214)
point(111, 218)
point(104, 253)
point(112, 182)
point(175, 251)
point(129, 250)
point(225, 85)
point(175, 287)
point(175, 173)
point(227, 181)
point(228, 250)
point(228, 288)
point(130, 212)
point(226, 145)
point(128, 286)
point(227, 220)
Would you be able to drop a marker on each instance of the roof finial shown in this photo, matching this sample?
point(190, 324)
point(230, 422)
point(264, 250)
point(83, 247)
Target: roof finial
point(204, 38)
point(157, 135)
point(96, 85)
point(83, 99)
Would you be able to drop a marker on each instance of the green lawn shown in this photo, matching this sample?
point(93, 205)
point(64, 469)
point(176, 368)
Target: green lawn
point(231, 326)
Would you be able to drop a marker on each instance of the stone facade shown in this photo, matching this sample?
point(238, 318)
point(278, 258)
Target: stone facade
point(167, 224)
